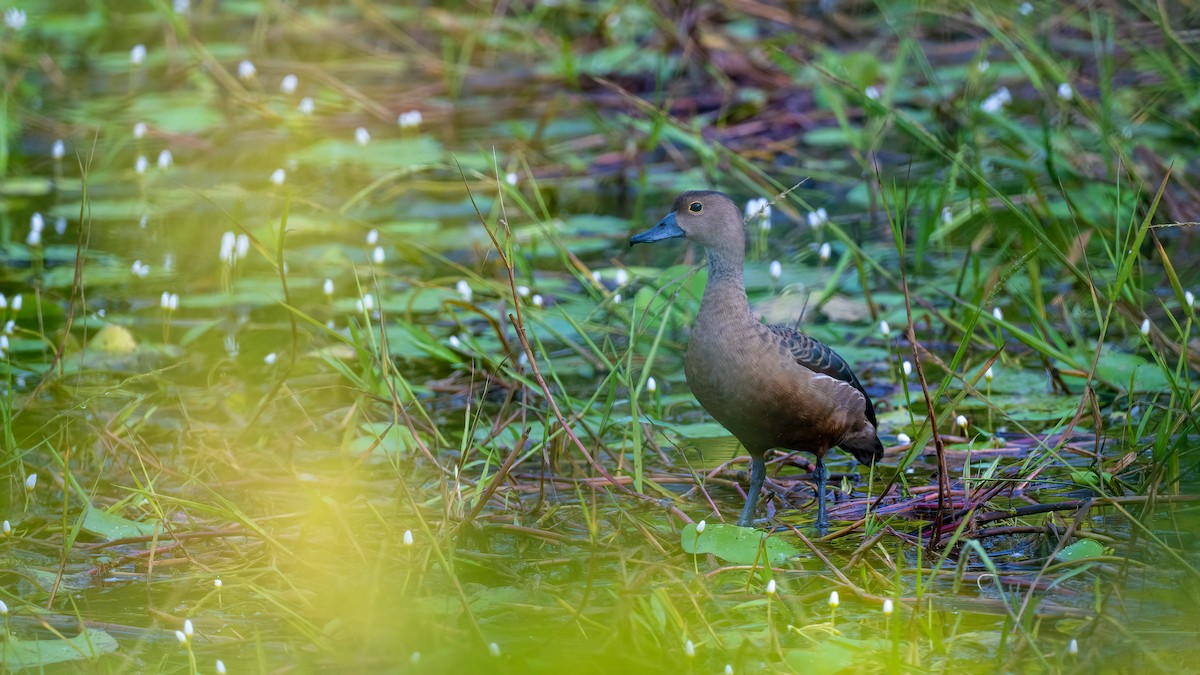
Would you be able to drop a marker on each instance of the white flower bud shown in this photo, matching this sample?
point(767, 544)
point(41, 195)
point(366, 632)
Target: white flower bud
point(139, 130)
point(906, 367)
point(834, 600)
point(1145, 326)
point(246, 70)
point(288, 84)
point(410, 119)
point(278, 176)
point(378, 256)
point(887, 607)
point(137, 55)
point(58, 150)
point(328, 287)
point(961, 421)
point(771, 588)
point(652, 386)
point(141, 164)
point(30, 482)
point(464, 290)
point(269, 359)
point(776, 270)
point(998, 314)
point(408, 538)
point(825, 252)
point(306, 106)
point(1065, 92)
point(622, 277)
point(689, 649)
point(872, 92)
point(885, 328)
point(989, 374)
point(494, 649)
point(903, 439)
point(700, 527)
point(362, 136)
point(538, 300)
point(1073, 647)
point(165, 159)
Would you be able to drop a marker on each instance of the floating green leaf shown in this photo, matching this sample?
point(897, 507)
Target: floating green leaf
point(739, 545)
point(1084, 548)
point(111, 526)
point(89, 644)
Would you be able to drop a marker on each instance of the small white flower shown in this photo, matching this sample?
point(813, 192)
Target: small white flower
point(906, 366)
point(1065, 92)
point(246, 70)
point(188, 629)
point(141, 164)
point(961, 422)
point(538, 300)
point(58, 150)
point(872, 93)
point(14, 18)
point(278, 176)
point(596, 277)
point(888, 607)
point(306, 106)
point(368, 302)
point(217, 584)
point(408, 538)
point(992, 105)
point(228, 241)
point(137, 54)
point(885, 328)
point(36, 222)
point(372, 237)
point(3, 605)
point(183, 638)
point(464, 290)
point(288, 84)
point(3, 301)
point(410, 119)
point(242, 247)
point(16, 303)
point(771, 587)
point(622, 277)
point(378, 256)
point(165, 159)
point(30, 482)
point(998, 313)
point(825, 252)
point(989, 374)
point(139, 130)
point(511, 178)
point(759, 209)
point(362, 136)
point(523, 291)
point(34, 240)
point(1073, 647)
point(834, 601)
point(269, 359)
point(173, 302)
point(616, 298)
point(494, 649)
point(4, 343)
point(9, 327)
point(328, 287)
point(652, 386)
point(1189, 298)
point(6, 529)
point(983, 66)
point(1004, 95)
point(1025, 8)
point(817, 218)
point(947, 215)
point(60, 226)
point(1145, 326)
point(776, 269)
point(220, 667)
point(903, 439)
point(728, 669)
point(700, 527)
point(689, 649)
point(455, 343)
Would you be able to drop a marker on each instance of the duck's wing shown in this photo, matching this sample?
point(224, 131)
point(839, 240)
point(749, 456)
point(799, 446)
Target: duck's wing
point(815, 356)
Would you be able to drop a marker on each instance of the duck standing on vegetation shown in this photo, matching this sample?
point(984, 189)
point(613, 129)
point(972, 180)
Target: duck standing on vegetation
point(770, 386)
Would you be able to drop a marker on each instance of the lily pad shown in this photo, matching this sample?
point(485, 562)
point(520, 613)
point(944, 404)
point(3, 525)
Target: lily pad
point(111, 526)
point(89, 644)
point(738, 545)
point(1084, 548)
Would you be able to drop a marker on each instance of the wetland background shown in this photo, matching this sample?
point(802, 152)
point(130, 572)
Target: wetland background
point(325, 349)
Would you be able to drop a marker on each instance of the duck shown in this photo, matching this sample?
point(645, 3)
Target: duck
point(772, 387)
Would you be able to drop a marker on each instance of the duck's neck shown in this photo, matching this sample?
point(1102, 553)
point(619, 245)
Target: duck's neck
point(725, 295)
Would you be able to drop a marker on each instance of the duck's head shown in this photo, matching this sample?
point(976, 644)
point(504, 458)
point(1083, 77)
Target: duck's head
point(710, 219)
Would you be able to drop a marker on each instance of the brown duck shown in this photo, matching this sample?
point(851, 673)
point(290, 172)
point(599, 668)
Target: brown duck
point(770, 386)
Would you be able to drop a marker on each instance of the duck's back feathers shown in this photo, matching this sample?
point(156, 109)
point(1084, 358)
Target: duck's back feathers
point(815, 356)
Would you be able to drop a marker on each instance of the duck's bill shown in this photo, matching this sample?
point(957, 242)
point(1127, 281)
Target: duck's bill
point(666, 228)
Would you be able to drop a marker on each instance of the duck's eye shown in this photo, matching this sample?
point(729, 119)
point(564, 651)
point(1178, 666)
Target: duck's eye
point(696, 207)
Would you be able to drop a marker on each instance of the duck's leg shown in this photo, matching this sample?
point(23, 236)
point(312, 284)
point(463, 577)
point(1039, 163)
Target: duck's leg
point(821, 474)
point(758, 473)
